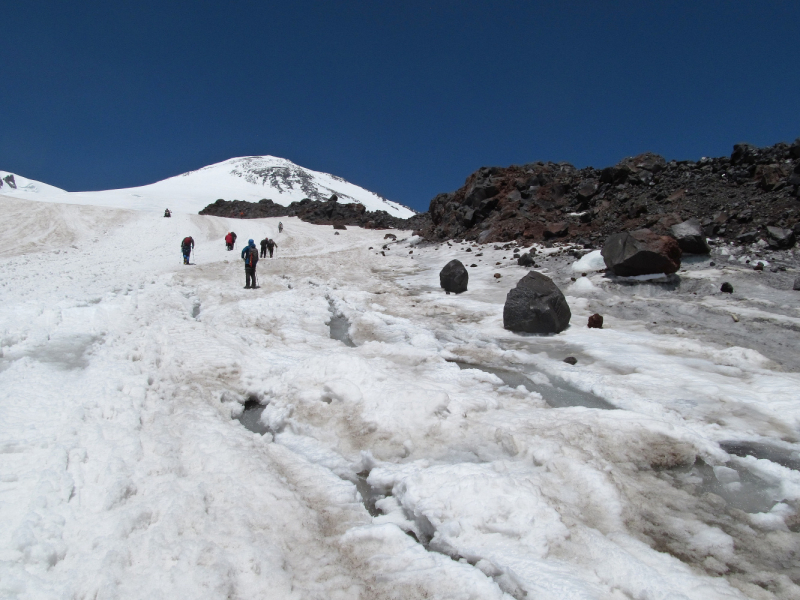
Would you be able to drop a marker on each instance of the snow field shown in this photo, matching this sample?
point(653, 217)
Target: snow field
point(124, 473)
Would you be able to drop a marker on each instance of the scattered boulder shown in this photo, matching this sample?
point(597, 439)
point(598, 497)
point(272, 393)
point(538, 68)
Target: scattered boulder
point(536, 305)
point(339, 226)
point(726, 288)
point(497, 276)
point(335, 233)
point(390, 236)
point(796, 284)
point(641, 252)
point(526, 260)
point(571, 360)
point(690, 237)
point(748, 237)
point(9, 179)
point(759, 267)
point(779, 238)
point(454, 277)
point(596, 321)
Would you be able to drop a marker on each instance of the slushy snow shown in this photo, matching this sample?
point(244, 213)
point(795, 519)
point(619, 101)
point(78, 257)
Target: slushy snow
point(125, 471)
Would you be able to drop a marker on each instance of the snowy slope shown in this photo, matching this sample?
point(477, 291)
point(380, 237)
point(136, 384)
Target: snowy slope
point(124, 472)
point(248, 178)
point(17, 186)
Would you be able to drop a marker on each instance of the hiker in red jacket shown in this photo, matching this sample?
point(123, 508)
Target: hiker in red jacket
point(229, 241)
point(187, 245)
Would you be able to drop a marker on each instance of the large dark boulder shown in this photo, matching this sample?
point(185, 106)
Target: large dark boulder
point(454, 277)
point(641, 252)
point(536, 305)
point(779, 238)
point(526, 260)
point(690, 237)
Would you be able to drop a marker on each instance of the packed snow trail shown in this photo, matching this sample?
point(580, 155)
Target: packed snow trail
point(124, 473)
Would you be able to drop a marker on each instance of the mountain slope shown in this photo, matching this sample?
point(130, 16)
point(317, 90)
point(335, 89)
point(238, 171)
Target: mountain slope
point(246, 178)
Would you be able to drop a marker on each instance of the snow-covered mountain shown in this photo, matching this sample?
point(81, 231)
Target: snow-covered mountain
point(247, 178)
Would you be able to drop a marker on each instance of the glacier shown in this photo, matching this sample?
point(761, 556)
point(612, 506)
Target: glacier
point(400, 452)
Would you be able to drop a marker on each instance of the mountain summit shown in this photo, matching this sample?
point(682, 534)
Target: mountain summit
point(246, 178)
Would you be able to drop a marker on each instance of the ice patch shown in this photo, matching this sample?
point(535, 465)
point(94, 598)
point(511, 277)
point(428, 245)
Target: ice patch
point(593, 261)
point(560, 395)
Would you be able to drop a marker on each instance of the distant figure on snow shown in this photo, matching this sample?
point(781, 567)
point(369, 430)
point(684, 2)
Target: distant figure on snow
point(250, 257)
point(167, 213)
point(271, 245)
point(280, 227)
point(187, 245)
point(233, 233)
point(264, 247)
point(229, 241)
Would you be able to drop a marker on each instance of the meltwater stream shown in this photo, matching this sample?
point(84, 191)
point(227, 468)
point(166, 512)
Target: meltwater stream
point(339, 326)
point(251, 417)
point(560, 395)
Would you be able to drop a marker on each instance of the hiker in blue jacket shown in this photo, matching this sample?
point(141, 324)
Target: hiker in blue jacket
point(250, 257)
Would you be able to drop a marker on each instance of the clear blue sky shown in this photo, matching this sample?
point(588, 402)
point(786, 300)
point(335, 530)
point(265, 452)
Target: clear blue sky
point(405, 99)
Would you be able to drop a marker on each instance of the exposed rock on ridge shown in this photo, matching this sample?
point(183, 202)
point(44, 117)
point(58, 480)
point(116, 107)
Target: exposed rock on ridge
point(329, 212)
point(748, 191)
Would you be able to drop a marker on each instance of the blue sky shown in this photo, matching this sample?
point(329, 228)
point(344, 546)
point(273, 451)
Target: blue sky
point(405, 99)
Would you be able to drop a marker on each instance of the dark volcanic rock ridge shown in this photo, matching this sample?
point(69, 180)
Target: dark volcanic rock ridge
point(329, 212)
point(752, 189)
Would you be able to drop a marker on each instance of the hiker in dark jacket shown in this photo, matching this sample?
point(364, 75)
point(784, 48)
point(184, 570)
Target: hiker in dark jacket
point(264, 247)
point(250, 257)
point(167, 213)
point(187, 245)
point(271, 245)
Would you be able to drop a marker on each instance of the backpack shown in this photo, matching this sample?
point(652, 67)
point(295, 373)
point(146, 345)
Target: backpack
point(187, 241)
point(252, 258)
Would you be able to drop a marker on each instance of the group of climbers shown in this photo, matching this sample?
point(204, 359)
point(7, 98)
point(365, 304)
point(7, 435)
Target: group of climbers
point(267, 244)
point(250, 254)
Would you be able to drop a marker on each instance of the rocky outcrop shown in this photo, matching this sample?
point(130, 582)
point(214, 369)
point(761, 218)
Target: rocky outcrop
point(330, 212)
point(779, 238)
point(641, 252)
point(536, 305)
point(454, 277)
point(748, 191)
point(690, 238)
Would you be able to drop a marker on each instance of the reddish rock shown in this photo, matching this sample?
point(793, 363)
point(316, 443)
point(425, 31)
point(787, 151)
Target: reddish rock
point(552, 230)
point(596, 321)
point(641, 252)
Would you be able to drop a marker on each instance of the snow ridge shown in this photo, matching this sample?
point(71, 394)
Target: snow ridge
point(249, 178)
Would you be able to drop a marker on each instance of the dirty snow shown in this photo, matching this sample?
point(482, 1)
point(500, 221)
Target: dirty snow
point(126, 470)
